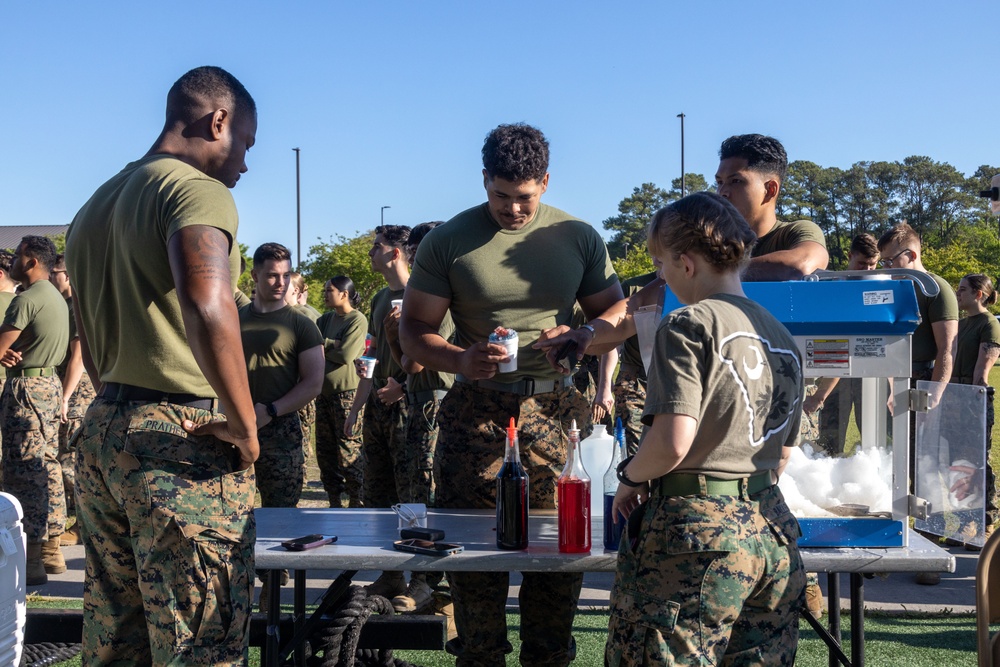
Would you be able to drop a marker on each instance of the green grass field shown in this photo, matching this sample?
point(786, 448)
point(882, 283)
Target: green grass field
point(890, 640)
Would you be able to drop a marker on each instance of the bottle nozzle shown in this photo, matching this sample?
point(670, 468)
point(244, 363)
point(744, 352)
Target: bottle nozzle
point(511, 432)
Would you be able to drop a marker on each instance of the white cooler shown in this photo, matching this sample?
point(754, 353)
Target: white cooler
point(12, 584)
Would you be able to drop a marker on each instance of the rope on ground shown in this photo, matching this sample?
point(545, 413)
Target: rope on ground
point(47, 653)
point(336, 643)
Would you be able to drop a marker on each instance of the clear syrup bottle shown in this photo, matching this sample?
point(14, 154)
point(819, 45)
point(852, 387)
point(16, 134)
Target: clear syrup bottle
point(612, 530)
point(573, 491)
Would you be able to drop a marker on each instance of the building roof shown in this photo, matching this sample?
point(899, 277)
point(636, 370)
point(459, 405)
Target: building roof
point(11, 235)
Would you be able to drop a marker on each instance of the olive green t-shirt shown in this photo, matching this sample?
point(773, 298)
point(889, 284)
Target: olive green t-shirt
point(241, 299)
point(272, 343)
point(116, 251)
point(73, 334)
point(40, 314)
point(526, 279)
point(428, 380)
point(973, 331)
point(386, 366)
point(630, 348)
point(786, 235)
point(308, 311)
point(731, 365)
point(5, 299)
point(350, 330)
point(937, 309)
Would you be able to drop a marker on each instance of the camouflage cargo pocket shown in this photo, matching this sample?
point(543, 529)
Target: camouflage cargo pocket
point(638, 630)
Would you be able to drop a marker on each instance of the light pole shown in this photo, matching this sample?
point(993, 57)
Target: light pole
point(382, 214)
point(298, 212)
point(683, 182)
point(626, 249)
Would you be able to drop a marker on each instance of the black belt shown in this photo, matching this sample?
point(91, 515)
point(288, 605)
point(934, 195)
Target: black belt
point(524, 387)
point(127, 393)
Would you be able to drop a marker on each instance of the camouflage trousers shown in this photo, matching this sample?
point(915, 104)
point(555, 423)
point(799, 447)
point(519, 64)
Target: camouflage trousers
point(382, 452)
point(338, 457)
point(417, 469)
point(280, 467)
point(707, 580)
point(79, 401)
point(307, 419)
point(168, 529)
point(629, 390)
point(29, 412)
point(473, 424)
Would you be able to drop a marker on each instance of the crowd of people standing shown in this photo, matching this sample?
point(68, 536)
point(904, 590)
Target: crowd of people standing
point(207, 398)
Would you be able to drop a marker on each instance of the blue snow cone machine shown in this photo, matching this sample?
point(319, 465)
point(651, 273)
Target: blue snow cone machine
point(857, 327)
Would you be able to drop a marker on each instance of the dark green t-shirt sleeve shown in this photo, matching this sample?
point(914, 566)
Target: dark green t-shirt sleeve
point(20, 312)
point(676, 370)
point(945, 305)
point(990, 334)
point(599, 273)
point(430, 269)
point(801, 231)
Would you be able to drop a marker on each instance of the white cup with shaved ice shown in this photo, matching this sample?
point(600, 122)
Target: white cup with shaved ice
point(507, 338)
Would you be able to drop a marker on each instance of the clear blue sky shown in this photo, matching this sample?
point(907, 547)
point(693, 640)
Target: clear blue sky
point(390, 101)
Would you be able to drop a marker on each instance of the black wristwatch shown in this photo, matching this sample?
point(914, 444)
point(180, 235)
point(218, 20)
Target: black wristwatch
point(271, 410)
point(623, 477)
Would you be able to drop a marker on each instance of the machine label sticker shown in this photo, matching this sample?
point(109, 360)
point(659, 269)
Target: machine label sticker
point(878, 297)
point(828, 353)
point(869, 347)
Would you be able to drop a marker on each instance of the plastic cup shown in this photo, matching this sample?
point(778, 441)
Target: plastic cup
point(398, 304)
point(369, 363)
point(510, 344)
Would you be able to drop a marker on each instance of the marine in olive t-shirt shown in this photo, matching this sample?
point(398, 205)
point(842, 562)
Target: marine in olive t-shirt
point(787, 235)
point(940, 308)
point(40, 314)
point(511, 278)
point(5, 299)
point(272, 343)
point(973, 332)
point(427, 379)
point(731, 365)
point(117, 251)
point(349, 329)
point(386, 366)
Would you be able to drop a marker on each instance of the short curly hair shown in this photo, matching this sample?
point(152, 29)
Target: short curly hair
point(763, 154)
point(516, 153)
point(705, 223)
point(212, 84)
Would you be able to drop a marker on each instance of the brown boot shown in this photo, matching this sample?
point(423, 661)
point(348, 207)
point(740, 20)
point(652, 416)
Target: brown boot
point(35, 571)
point(52, 557)
point(71, 537)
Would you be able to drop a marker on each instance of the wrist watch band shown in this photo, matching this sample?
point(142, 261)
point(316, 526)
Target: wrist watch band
point(590, 328)
point(623, 476)
point(271, 410)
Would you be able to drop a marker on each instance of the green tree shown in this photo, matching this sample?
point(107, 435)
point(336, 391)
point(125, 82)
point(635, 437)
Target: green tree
point(692, 183)
point(60, 242)
point(634, 213)
point(636, 263)
point(342, 256)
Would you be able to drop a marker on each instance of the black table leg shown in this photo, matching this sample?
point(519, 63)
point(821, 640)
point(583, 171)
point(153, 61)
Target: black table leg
point(833, 610)
point(299, 613)
point(331, 597)
point(857, 619)
point(273, 582)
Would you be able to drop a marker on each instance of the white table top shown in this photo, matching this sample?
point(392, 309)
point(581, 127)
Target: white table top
point(365, 540)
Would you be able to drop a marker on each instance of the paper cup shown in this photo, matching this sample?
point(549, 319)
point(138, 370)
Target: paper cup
point(511, 345)
point(397, 303)
point(369, 363)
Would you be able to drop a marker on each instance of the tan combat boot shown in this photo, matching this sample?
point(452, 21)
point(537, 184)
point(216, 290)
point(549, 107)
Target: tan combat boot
point(35, 571)
point(52, 557)
point(71, 537)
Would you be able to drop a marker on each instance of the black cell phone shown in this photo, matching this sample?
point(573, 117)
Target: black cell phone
point(568, 352)
point(427, 548)
point(432, 534)
point(308, 542)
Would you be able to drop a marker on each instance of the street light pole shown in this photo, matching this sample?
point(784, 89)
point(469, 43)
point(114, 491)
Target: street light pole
point(626, 249)
point(683, 182)
point(382, 214)
point(298, 212)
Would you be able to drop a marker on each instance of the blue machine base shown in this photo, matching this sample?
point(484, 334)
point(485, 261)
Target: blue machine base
point(851, 532)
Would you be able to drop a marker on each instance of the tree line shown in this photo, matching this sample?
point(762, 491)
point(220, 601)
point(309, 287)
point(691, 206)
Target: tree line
point(959, 235)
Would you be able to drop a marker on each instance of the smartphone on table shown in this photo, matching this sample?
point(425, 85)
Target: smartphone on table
point(427, 548)
point(308, 542)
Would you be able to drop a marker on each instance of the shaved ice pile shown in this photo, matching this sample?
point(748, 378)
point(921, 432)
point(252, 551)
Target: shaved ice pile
point(815, 485)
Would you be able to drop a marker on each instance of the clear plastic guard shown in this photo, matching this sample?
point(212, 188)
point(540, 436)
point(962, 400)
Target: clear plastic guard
point(647, 319)
point(950, 457)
